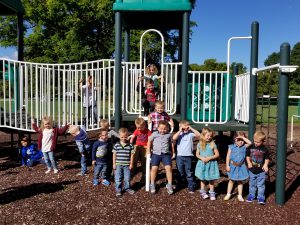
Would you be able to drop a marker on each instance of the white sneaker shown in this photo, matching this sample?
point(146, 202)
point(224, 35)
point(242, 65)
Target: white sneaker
point(48, 171)
point(227, 197)
point(55, 170)
point(240, 198)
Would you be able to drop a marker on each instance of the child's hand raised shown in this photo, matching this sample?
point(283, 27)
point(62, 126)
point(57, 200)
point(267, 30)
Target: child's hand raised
point(227, 168)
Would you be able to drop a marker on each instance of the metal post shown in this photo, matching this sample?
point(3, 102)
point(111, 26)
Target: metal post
point(185, 63)
point(127, 45)
point(235, 72)
point(118, 70)
point(253, 78)
point(282, 122)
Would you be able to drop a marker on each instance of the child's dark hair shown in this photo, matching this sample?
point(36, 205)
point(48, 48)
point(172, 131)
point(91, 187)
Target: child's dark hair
point(25, 138)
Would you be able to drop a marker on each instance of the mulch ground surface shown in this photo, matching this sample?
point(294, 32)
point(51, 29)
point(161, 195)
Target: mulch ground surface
point(29, 196)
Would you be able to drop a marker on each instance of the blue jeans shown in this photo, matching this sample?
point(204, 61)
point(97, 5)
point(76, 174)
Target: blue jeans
point(257, 182)
point(84, 150)
point(49, 160)
point(120, 173)
point(100, 168)
point(184, 167)
point(31, 162)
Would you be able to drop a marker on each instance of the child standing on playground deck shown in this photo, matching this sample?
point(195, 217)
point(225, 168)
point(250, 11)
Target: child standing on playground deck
point(158, 115)
point(141, 134)
point(149, 98)
point(235, 164)
point(84, 146)
point(207, 166)
point(258, 160)
point(89, 101)
point(47, 139)
point(30, 155)
point(184, 141)
point(101, 158)
point(123, 154)
point(162, 150)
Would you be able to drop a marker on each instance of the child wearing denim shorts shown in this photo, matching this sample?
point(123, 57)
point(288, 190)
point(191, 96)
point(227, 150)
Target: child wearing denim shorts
point(162, 150)
point(258, 158)
point(84, 146)
point(101, 158)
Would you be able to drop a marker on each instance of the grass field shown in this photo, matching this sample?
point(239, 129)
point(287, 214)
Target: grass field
point(265, 114)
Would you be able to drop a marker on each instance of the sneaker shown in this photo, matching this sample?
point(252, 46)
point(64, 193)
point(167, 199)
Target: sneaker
point(105, 182)
point(212, 195)
point(240, 198)
point(48, 171)
point(152, 188)
point(130, 191)
point(203, 194)
point(191, 191)
point(95, 182)
point(118, 194)
point(169, 189)
point(261, 201)
point(55, 170)
point(227, 197)
point(81, 174)
point(250, 198)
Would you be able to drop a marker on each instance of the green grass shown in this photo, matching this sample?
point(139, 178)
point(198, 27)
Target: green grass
point(272, 112)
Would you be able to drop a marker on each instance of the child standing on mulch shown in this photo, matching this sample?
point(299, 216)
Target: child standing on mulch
point(162, 150)
point(123, 154)
point(207, 166)
point(258, 163)
point(236, 166)
point(84, 146)
point(141, 135)
point(47, 139)
point(158, 115)
point(101, 158)
point(184, 141)
point(30, 155)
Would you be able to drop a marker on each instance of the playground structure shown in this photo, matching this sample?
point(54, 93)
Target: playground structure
point(206, 98)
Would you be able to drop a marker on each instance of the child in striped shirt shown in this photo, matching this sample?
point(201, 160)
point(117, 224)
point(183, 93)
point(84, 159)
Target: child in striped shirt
point(123, 153)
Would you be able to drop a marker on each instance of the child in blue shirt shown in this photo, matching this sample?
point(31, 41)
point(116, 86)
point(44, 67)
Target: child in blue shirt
point(101, 158)
point(84, 146)
point(184, 139)
point(30, 155)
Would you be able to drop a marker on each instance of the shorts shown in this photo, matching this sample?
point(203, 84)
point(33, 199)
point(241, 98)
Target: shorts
point(166, 159)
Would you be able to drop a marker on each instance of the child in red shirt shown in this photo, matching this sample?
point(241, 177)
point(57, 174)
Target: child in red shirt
point(149, 98)
point(141, 135)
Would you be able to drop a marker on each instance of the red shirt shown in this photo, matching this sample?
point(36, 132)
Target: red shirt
point(150, 95)
point(142, 136)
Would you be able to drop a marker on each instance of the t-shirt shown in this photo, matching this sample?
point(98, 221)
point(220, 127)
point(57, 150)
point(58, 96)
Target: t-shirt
point(142, 137)
point(150, 95)
point(123, 153)
point(258, 155)
point(47, 140)
point(161, 143)
point(101, 152)
point(156, 117)
point(185, 144)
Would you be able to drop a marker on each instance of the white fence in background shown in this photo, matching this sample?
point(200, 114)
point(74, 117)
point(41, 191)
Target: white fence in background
point(242, 98)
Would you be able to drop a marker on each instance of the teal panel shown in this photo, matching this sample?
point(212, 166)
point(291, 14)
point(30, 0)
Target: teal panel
point(152, 5)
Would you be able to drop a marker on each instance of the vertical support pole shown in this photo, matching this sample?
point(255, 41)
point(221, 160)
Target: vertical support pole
point(118, 70)
point(282, 122)
point(185, 63)
point(235, 72)
point(253, 78)
point(127, 45)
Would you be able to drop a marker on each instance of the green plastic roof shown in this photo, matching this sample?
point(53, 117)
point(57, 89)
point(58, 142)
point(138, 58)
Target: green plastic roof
point(152, 5)
point(10, 7)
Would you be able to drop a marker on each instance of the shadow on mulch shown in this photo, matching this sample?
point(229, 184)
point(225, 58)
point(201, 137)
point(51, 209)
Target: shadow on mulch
point(22, 192)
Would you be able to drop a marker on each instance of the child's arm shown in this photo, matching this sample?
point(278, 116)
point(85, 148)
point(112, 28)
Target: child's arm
point(131, 159)
point(197, 133)
point(248, 143)
point(248, 159)
point(266, 165)
point(132, 138)
point(94, 153)
point(172, 149)
point(114, 160)
point(63, 129)
point(34, 126)
point(148, 151)
point(215, 156)
point(198, 154)
point(171, 123)
point(228, 160)
point(177, 134)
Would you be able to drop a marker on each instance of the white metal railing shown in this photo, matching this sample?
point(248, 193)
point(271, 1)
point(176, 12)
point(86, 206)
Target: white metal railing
point(242, 97)
point(208, 99)
point(33, 90)
point(292, 128)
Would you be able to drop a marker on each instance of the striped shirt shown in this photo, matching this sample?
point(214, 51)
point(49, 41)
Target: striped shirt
point(123, 153)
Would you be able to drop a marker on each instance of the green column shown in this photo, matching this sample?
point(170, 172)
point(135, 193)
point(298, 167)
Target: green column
point(185, 64)
point(118, 70)
point(282, 121)
point(253, 78)
point(127, 45)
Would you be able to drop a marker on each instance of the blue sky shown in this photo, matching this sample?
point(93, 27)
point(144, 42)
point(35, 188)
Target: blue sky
point(218, 20)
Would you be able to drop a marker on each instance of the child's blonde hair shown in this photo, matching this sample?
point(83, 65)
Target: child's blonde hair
point(184, 122)
point(139, 121)
point(123, 130)
point(260, 135)
point(151, 66)
point(202, 140)
point(73, 129)
point(104, 123)
point(46, 119)
point(159, 103)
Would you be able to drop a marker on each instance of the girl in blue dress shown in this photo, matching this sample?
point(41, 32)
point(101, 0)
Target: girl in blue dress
point(207, 166)
point(235, 164)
